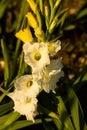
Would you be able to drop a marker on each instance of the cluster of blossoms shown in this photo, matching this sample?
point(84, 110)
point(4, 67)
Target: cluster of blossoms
point(46, 72)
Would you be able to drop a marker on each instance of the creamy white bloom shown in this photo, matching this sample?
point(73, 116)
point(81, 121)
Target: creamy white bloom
point(24, 105)
point(53, 48)
point(51, 75)
point(28, 84)
point(36, 55)
point(26, 47)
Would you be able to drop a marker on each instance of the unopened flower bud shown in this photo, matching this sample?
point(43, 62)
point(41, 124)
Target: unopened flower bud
point(32, 20)
point(39, 34)
point(33, 5)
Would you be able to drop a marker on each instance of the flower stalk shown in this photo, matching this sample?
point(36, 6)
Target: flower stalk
point(38, 54)
point(53, 11)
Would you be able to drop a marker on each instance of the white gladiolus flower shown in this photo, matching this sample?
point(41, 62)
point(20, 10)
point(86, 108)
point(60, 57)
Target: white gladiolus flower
point(24, 105)
point(51, 75)
point(29, 85)
point(36, 55)
point(53, 48)
point(45, 75)
point(26, 47)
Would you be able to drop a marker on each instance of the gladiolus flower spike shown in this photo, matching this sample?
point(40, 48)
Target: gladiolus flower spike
point(39, 54)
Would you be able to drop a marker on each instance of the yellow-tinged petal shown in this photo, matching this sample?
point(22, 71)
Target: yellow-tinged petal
point(33, 5)
point(31, 20)
point(24, 35)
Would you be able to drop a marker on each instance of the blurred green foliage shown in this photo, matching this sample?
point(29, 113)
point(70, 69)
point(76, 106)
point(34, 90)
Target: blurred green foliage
point(72, 31)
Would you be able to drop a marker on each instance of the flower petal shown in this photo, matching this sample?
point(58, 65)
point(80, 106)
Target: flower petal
point(24, 35)
point(36, 56)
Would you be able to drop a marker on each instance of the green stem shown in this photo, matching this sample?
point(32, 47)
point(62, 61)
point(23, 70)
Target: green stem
point(6, 60)
point(18, 44)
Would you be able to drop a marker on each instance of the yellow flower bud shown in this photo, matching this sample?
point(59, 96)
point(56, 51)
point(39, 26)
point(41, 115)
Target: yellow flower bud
point(24, 35)
point(39, 34)
point(41, 4)
point(33, 5)
point(47, 16)
point(54, 115)
point(31, 20)
point(57, 3)
point(53, 24)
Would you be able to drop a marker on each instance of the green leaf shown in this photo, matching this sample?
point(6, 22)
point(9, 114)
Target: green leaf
point(5, 108)
point(53, 11)
point(59, 14)
point(19, 25)
point(62, 19)
point(47, 111)
point(6, 60)
point(12, 118)
point(51, 3)
point(23, 67)
point(6, 91)
point(4, 118)
point(3, 6)
point(76, 111)
point(70, 27)
point(46, 125)
point(82, 13)
point(24, 123)
point(64, 116)
point(59, 124)
point(81, 79)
